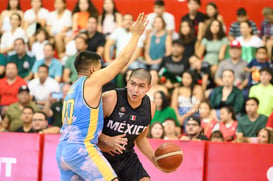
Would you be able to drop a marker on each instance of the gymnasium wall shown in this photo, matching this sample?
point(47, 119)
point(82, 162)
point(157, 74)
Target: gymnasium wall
point(227, 8)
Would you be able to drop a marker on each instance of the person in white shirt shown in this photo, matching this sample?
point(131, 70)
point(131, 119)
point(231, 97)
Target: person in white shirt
point(42, 87)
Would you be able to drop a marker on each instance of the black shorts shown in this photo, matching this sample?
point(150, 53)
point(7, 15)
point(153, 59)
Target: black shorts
point(128, 167)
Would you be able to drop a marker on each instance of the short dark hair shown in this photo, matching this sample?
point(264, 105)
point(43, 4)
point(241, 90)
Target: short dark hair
point(81, 37)
point(266, 69)
point(159, 3)
point(230, 109)
point(263, 47)
point(43, 113)
point(85, 59)
point(141, 73)
point(254, 99)
point(170, 119)
point(44, 66)
point(241, 12)
point(198, 1)
point(50, 44)
point(29, 107)
point(12, 62)
point(44, 31)
point(228, 70)
point(20, 38)
point(194, 118)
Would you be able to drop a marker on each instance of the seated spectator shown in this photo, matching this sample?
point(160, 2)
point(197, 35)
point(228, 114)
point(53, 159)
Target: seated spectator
point(193, 130)
point(156, 131)
point(265, 136)
point(42, 38)
point(163, 110)
point(70, 73)
point(188, 37)
point(9, 86)
point(42, 86)
point(202, 72)
point(96, 40)
point(26, 118)
point(255, 66)
point(12, 120)
point(155, 86)
point(15, 32)
point(267, 30)
point(234, 30)
point(2, 65)
point(159, 10)
point(54, 111)
point(252, 122)
point(236, 64)
point(207, 119)
point(197, 18)
point(39, 122)
point(212, 13)
point(217, 136)
point(214, 44)
point(158, 44)
point(170, 132)
point(263, 92)
point(55, 67)
point(22, 59)
point(269, 123)
point(227, 94)
point(186, 99)
point(81, 13)
point(227, 124)
point(173, 65)
point(110, 18)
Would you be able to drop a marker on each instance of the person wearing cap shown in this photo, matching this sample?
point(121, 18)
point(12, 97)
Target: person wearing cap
point(234, 30)
point(193, 130)
point(174, 64)
point(12, 120)
point(9, 86)
point(264, 92)
point(235, 63)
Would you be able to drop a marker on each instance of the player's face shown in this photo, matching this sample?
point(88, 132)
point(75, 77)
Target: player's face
point(204, 110)
point(158, 100)
point(193, 128)
point(262, 137)
point(157, 131)
point(251, 107)
point(137, 89)
point(27, 115)
point(261, 54)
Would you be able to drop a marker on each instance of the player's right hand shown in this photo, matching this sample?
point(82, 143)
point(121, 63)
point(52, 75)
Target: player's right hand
point(116, 144)
point(139, 26)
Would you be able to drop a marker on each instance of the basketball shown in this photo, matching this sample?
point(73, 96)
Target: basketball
point(168, 156)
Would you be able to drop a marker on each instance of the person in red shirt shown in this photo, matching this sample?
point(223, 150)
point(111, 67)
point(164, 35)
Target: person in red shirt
point(9, 86)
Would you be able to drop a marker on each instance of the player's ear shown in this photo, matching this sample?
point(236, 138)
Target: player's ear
point(92, 69)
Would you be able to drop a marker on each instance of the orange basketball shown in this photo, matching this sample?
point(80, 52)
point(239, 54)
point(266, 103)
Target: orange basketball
point(168, 156)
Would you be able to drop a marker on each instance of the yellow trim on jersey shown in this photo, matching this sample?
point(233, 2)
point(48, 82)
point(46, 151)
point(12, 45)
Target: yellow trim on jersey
point(104, 168)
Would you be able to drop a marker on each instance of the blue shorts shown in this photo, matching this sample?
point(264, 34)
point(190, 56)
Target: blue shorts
point(83, 162)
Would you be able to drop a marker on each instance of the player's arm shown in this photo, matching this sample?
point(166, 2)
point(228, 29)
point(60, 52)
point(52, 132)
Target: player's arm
point(108, 73)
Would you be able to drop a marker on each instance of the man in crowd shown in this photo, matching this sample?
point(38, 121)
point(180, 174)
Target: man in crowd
point(26, 118)
point(39, 122)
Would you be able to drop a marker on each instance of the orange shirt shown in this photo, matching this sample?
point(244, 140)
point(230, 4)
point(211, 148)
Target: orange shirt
point(82, 20)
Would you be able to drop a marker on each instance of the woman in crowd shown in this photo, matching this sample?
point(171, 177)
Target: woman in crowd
point(155, 85)
point(42, 37)
point(265, 135)
point(156, 131)
point(207, 118)
point(212, 13)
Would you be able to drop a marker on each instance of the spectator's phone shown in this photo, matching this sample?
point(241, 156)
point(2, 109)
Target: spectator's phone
point(57, 95)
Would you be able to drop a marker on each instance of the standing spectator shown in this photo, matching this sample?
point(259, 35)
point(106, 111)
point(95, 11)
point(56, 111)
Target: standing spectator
point(81, 13)
point(214, 44)
point(188, 37)
point(70, 72)
point(15, 32)
point(217, 136)
point(267, 30)
point(252, 122)
point(265, 136)
point(156, 131)
point(37, 49)
point(13, 7)
point(159, 10)
point(39, 122)
point(23, 61)
point(236, 64)
point(212, 13)
point(13, 117)
point(59, 23)
point(26, 118)
point(55, 67)
point(110, 18)
point(197, 18)
point(234, 30)
point(228, 123)
point(155, 85)
point(255, 66)
point(227, 94)
point(10, 85)
point(193, 130)
point(170, 132)
point(2, 65)
point(207, 120)
point(96, 40)
point(264, 92)
point(42, 86)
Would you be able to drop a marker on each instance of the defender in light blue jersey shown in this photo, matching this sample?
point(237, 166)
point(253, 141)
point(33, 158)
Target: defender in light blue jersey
point(78, 156)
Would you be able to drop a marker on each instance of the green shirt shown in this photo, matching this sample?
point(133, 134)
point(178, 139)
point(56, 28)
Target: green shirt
point(265, 97)
point(249, 128)
point(70, 65)
point(57, 113)
point(162, 115)
point(24, 65)
point(14, 115)
point(2, 63)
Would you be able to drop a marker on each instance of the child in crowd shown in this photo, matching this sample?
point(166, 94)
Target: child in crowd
point(207, 120)
point(42, 38)
point(156, 131)
point(170, 129)
point(217, 136)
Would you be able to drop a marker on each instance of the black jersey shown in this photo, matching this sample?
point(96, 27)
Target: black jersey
point(125, 119)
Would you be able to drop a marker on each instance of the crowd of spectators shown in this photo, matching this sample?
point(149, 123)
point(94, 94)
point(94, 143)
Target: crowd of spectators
point(210, 80)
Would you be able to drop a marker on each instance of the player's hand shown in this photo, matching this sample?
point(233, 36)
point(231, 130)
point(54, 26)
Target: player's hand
point(116, 144)
point(139, 26)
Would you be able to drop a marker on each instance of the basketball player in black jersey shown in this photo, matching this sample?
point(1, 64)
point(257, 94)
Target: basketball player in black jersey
point(127, 115)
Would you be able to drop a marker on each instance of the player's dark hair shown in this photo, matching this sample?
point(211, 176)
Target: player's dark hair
point(141, 73)
point(85, 59)
point(43, 113)
point(263, 47)
point(165, 100)
point(221, 33)
point(241, 12)
point(254, 99)
point(159, 3)
point(44, 66)
point(29, 107)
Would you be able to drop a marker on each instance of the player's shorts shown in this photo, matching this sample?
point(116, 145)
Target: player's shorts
point(80, 162)
point(128, 167)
